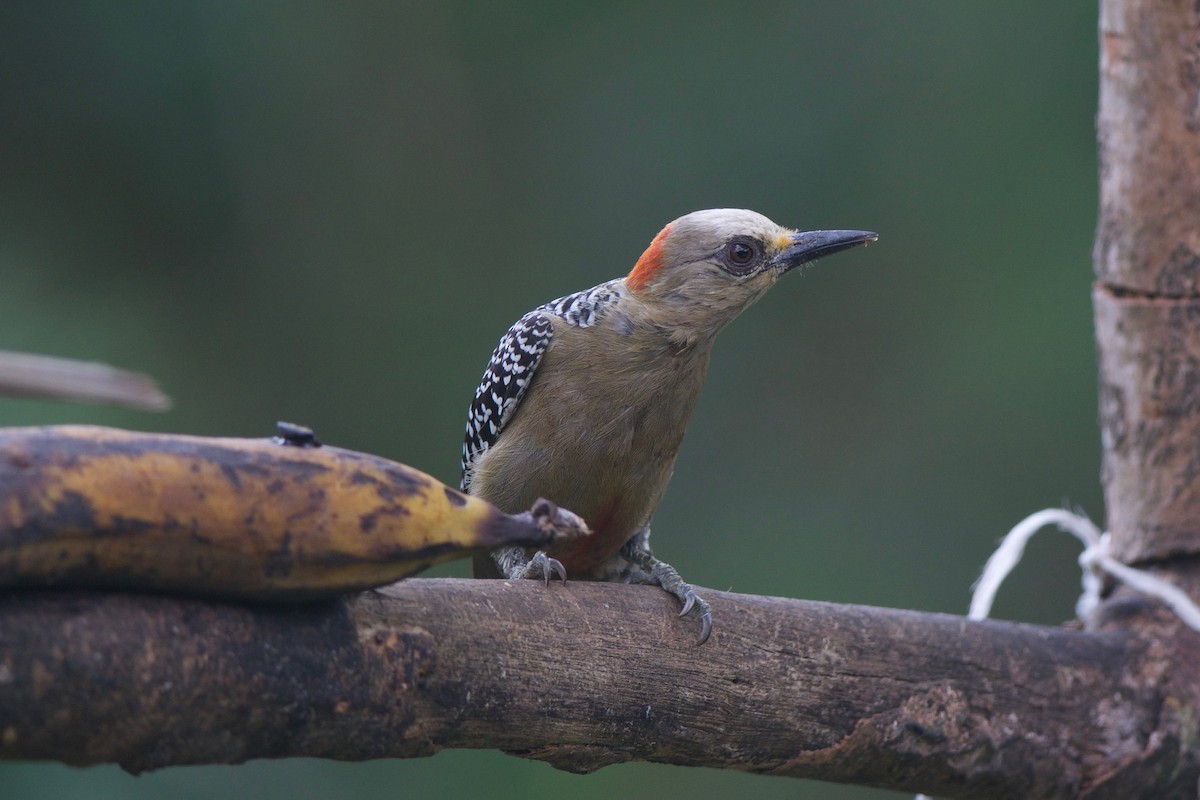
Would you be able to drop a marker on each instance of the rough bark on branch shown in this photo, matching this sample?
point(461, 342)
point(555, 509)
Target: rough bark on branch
point(585, 675)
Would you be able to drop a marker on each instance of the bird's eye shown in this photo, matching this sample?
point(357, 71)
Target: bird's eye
point(742, 254)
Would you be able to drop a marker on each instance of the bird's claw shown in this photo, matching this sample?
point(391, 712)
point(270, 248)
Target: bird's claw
point(513, 564)
point(543, 566)
point(705, 627)
point(662, 574)
point(690, 599)
point(558, 569)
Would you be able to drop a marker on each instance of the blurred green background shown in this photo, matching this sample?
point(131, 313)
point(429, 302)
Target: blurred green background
point(329, 212)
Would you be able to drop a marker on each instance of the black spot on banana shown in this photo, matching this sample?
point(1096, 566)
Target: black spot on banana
point(241, 518)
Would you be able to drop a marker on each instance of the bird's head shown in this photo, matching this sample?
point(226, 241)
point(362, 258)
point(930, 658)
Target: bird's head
point(705, 268)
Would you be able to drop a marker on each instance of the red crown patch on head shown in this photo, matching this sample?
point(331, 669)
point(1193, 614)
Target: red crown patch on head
point(650, 262)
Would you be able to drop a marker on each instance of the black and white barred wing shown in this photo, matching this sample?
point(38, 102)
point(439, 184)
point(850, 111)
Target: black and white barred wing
point(505, 380)
point(516, 359)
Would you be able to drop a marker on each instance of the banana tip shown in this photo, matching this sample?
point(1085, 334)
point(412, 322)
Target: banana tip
point(558, 522)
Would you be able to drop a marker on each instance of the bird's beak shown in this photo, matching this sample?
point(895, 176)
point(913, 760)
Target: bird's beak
point(811, 245)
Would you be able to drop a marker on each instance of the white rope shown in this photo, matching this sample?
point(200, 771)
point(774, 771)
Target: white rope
point(1096, 560)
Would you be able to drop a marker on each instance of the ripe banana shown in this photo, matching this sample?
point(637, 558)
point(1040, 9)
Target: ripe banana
point(244, 518)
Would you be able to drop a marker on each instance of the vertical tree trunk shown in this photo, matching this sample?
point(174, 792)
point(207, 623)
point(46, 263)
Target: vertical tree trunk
point(1147, 304)
point(1147, 260)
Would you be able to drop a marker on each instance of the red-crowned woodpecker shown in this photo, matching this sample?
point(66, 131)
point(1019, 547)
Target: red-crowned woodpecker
point(586, 398)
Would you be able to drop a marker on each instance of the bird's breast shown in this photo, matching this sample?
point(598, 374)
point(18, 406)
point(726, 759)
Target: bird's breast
point(599, 439)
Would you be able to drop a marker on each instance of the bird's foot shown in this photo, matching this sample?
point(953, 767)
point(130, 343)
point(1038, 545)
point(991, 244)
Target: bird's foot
point(651, 570)
point(514, 564)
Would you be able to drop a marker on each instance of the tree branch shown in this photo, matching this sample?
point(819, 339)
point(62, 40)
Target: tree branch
point(585, 675)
